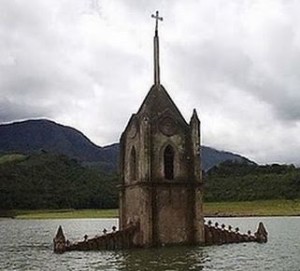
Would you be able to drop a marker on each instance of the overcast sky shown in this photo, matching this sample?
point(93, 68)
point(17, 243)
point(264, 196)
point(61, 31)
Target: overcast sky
point(89, 64)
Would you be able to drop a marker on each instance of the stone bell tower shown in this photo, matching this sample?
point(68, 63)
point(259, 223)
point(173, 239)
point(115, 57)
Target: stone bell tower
point(161, 184)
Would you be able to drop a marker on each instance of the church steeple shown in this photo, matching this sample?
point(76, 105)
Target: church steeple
point(156, 50)
point(160, 170)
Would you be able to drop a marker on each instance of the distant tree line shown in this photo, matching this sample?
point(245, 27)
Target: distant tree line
point(231, 181)
point(54, 181)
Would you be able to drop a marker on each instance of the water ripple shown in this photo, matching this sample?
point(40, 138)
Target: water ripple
point(27, 245)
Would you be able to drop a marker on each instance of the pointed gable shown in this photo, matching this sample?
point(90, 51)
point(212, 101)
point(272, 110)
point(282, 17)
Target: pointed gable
point(158, 102)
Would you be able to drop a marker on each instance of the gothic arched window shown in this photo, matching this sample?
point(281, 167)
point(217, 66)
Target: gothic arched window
point(169, 162)
point(132, 164)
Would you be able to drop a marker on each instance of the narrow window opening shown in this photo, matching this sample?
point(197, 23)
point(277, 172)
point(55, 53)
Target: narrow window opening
point(133, 168)
point(169, 163)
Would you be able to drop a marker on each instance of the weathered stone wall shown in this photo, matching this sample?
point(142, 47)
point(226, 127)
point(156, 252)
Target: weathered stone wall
point(172, 215)
point(198, 219)
point(137, 209)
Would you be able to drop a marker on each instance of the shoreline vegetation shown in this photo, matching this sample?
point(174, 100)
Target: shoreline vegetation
point(211, 209)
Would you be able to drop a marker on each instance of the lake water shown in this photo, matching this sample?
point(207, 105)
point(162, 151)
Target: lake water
point(27, 245)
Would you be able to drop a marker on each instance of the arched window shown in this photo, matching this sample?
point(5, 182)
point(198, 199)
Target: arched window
point(132, 164)
point(169, 162)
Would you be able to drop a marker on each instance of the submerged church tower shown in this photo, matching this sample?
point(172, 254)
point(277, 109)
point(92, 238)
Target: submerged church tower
point(161, 185)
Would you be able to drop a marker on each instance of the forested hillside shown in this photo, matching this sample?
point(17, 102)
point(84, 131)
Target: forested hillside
point(231, 181)
point(53, 181)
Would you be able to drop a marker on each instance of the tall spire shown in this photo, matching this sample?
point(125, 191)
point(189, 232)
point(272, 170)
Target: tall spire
point(156, 50)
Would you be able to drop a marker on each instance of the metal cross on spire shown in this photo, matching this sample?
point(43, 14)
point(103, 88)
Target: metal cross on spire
point(156, 50)
point(156, 17)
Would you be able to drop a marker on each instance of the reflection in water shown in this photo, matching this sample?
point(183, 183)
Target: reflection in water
point(27, 245)
point(168, 258)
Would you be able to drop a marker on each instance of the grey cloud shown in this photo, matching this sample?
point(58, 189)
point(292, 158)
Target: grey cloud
point(12, 110)
point(212, 62)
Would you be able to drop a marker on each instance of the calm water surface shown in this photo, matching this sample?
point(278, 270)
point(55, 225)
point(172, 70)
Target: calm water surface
point(27, 245)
